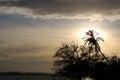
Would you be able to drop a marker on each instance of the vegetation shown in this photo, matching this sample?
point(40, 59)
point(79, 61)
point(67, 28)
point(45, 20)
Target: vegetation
point(76, 62)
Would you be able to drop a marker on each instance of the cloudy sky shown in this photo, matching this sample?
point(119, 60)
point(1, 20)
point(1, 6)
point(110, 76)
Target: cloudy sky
point(32, 30)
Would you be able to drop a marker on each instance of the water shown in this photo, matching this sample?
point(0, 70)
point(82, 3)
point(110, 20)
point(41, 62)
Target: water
point(33, 77)
point(29, 77)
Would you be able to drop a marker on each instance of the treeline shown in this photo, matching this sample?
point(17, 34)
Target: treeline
point(24, 73)
point(72, 62)
point(76, 62)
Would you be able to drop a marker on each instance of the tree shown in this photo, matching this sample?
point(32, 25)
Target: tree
point(114, 67)
point(72, 62)
point(92, 42)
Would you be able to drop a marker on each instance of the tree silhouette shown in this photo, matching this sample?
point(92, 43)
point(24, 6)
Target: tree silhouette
point(114, 67)
point(72, 62)
point(77, 62)
point(92, 42)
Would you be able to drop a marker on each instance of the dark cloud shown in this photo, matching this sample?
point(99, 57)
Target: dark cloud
point(23, 49)
point(68, 8)
point(9, 0)
point(3, 55)
point(2, 42)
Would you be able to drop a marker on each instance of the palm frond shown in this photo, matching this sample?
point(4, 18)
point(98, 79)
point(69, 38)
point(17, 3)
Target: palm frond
point(99, 38)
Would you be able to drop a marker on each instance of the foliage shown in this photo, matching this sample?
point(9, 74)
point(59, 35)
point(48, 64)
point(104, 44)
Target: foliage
point(92, 42)
point(72, 61)
point(76, 62)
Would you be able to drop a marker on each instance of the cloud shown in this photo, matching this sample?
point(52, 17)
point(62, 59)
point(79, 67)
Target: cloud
point(3, 55)
point(25, 53)
point(8, 0)
point(2, 42)
point(65, 9)
point(22, 49)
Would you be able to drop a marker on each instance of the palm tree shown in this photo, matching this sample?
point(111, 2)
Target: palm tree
point(92, 42)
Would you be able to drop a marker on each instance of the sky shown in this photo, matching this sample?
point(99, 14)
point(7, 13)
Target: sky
point(32, 30)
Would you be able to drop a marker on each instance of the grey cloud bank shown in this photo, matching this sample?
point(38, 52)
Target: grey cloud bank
point(70, 9)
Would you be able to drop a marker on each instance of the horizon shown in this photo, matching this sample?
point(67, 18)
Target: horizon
point(32, 30)
point(41, 73)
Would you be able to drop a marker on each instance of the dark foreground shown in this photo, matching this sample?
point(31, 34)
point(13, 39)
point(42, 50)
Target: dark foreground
point(28, 77)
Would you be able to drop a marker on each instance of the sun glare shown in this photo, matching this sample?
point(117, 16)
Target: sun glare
point(82, 33)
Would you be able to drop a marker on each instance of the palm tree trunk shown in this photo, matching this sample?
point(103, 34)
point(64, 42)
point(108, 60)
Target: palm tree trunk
point(105, 57)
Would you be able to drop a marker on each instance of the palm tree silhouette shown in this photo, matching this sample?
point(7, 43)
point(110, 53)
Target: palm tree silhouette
point(92, 42)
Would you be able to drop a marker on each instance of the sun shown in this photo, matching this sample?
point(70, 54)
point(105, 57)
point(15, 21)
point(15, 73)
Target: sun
point(99, 32)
